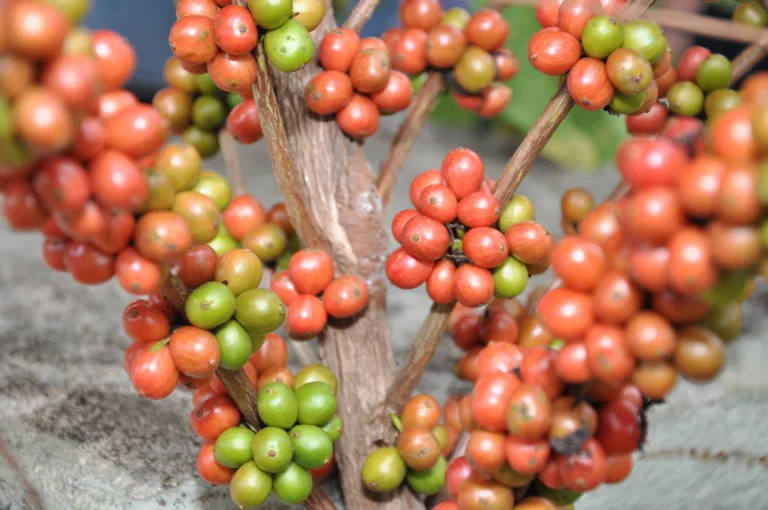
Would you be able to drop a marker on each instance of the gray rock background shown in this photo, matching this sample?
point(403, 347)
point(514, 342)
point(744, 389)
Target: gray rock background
point(83, 440)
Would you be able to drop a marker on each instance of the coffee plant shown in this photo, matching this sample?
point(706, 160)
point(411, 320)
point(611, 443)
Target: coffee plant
point(649, 284)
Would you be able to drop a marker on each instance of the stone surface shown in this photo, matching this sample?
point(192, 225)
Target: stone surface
point(83, 439)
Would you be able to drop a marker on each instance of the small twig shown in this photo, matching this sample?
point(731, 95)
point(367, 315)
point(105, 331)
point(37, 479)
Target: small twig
point(619, 191)
point(705, 25)
point(242, 392)
point(360, 14)
point(675, 19)
point(749, 58)
point(402, 143)
point(232, 162)
point(33, 497)
point(410, 372)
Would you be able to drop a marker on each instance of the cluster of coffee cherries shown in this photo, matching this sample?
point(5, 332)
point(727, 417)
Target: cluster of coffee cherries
point(469, 48)
point(279, 456)
point(418, 458)
point(219, 37)
point(622, 58)
point(698, 86)
point(227, 316)
point(312, 292)
point(196, 109)
point(300, 426)
point(358, 84)
point(52, 74)
point(752, 13)
point(460, 241)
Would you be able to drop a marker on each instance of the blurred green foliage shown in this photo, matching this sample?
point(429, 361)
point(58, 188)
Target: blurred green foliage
point(585, 140)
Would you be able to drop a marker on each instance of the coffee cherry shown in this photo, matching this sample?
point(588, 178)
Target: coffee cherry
point(507, 64)
point(602, 35)
point(649, 123)
point(35, 29)
point(485, 247)
point(518, 209)
point(250, 486)
point(719, 101)
point(547, 12)
point(311, 271)
point(646, 38)
point(406, 271)
point(478, 209)
point(700, 354)
point(175, 106)
point(306, 317)
point(420, 14)
point(309, 13)
point(346, 296)
point(409, 53)
point(553, 52)
point(267, 241)
point(338, 49)
point(463, 171)
point(510, 278)
point(686, 98)
point(240, 270)
point(207, 8)
point(445, 44)
point(474, 286)
point(259, 311)
point(751, 14)
point(487, 30)
point(439, 203)
point(370, 70)
point(714, 72)
point(383, 470)
point(271, 14)
point(153, 372)
point(359, 118)
point(477, 492)
point(232, 73)
point(42, 120)
point(574, 15)
point(289, 47)
point(235, 31)
point(328, 92)
point(690, 61)
point(624, 104)
point(628, 71)
point(589, 84)
point(395, 96)
point(244, 124)
point(475, 69)
point(426, 238)
point(192, 39)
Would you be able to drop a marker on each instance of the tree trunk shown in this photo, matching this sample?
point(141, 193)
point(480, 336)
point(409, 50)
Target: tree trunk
point(342, 213)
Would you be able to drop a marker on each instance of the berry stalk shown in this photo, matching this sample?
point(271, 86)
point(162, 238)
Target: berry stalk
point(361, 14)
point(417, 116)
point(749, 58)
point(419, 355)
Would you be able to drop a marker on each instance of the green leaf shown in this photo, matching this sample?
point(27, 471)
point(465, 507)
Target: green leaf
point(585, 140)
